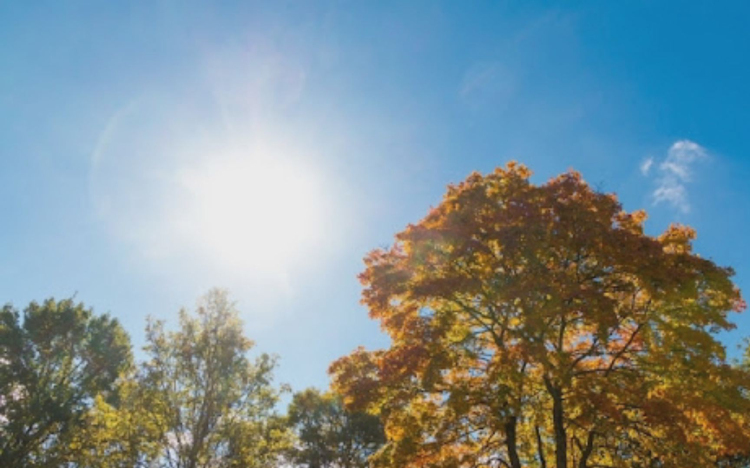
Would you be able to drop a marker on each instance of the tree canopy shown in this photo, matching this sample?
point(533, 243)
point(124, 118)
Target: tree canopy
point(539, 325)
point(55, 358)
point(330, 436)
point(70, 396)
point(215, 404)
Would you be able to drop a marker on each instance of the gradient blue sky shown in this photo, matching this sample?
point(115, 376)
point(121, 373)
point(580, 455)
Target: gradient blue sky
point(108, 108)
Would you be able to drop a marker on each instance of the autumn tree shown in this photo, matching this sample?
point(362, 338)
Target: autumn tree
point(539, 326)
point(56, 358)
point(739, 459)
point(330, 436)
point(214, 403)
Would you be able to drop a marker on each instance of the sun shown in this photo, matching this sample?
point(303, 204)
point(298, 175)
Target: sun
point(254, 213)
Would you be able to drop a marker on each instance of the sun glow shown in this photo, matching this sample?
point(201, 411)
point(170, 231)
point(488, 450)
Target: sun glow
point(257, 214)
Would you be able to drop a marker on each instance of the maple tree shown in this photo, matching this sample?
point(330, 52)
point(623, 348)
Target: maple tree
point(538, 325)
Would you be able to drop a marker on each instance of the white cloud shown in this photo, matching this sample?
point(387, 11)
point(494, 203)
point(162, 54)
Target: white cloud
point(675, 173)
point(646, 166)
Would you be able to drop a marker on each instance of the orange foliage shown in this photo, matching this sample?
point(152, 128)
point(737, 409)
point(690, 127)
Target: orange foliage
point(537, 325)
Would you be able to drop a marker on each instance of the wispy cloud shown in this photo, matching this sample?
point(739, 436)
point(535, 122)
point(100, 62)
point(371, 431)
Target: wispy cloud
point(646, 166)
point(674, 173)
point(487, 83)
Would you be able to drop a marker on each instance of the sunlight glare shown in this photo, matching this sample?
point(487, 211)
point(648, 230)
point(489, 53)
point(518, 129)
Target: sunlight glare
point(256, 214)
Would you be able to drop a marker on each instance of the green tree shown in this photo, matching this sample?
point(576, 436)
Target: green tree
point(126, 435)
point(55, 359)
point(216, 405)
point(329, 436)
point(539, 325)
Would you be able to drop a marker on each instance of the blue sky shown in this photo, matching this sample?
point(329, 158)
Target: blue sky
point(124, 125)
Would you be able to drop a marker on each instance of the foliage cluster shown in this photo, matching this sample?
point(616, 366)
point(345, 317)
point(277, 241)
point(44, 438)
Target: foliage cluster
point(70, 395)
point(538, 325)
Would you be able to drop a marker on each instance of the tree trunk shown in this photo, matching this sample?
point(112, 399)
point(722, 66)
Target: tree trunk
point(586, 451)
point(540, 448)
point(558, 422)
point(510, 434)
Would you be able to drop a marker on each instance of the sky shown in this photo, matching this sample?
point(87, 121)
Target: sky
point(150, 151)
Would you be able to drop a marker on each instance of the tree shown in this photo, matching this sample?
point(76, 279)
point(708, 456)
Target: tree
point(739, 459)
point(55, 359)
point(538, 325)
point(126, 435)
point(328, 435)
point(216, 404)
